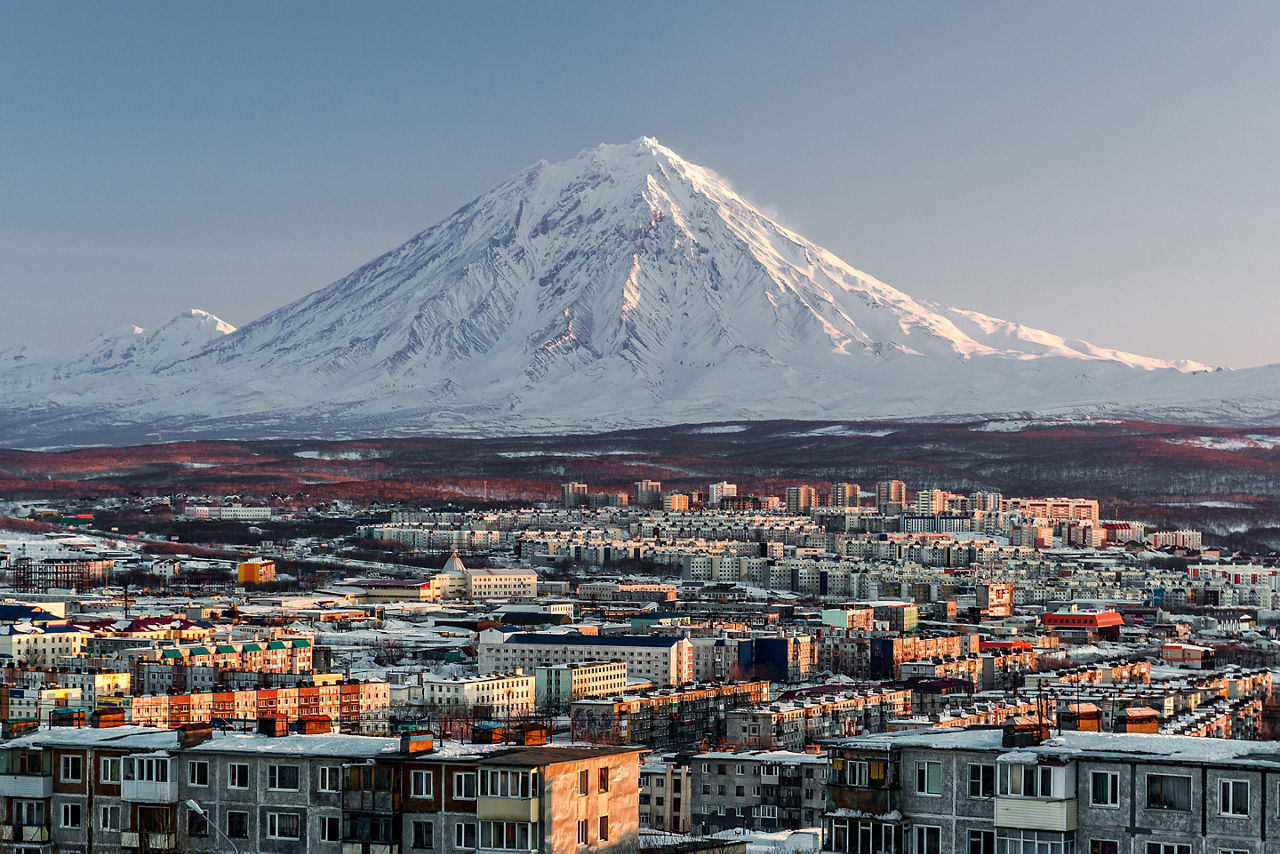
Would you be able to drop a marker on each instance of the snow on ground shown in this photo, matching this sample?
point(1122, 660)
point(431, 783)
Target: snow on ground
point(1249, 442)
point(721, 428)
point(841, 430)
point(1221, 505)
point(356, 454)
point(1018, 425)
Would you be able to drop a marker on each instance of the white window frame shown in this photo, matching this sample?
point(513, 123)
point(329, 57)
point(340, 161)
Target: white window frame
point(68, 759)
point(460, 779)
point(919, 845)
point(192, 765)
point(109, 769)
point(273, 777)
point(232, 775)
point(978, 781)
point(421, 783)
point(330, 778)
point(1113, 789)
point(325, 825)
point(924, 778)
point(273, 825)
point(68, 809)
point(106, 810)
point(1228, 801)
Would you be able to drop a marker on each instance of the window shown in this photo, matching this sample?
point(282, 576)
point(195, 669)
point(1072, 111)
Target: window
point(507, 835)
point(198, 773)
point(604, 828)
point(238, 823)
point(1025, 781)
point(283, 825)
point(109, 818)
point(237, 775)
point(1104, 846)
point(982, 781)
point(420, 783)
point(1233, 798)
point(464, 789)
point(582, 832)
point(1168, 848)
point(330, 828)
point(109, 769)
point(329, 778)
point(1104, 789)
point(982, 841)
point(72, 772)
point(282, 777)
point(464, 834)
point(423, 835)
point(496, 783)
point(27, 812)
point(197, 824)
point(928, 778)
point(147, 769)
point(928, 839)
point(604, 778)
point(859, 773)
point(70, 815)
point(706, 788)
point(584, 781)
point(1168, 792)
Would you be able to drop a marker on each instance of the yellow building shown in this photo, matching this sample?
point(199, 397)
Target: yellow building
point(257, 571)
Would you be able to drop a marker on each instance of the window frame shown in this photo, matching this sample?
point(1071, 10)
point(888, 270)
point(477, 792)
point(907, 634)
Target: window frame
point(70, 808)
point(110, 769)
point(924, 780)
point(232, 769)
point(274, 772)
point(986, 788)
point(426, 778)
point(65, 762)
point(1152, 775)
point(192, 765)
point(1228, 785)
point(1113, 790)
point(273, 825)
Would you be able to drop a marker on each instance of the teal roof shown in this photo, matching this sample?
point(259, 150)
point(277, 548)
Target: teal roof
point(199, 650)
point(301, 642)
point(276, 645)
point(171, 653)
point(225, 647)
point(252, 647)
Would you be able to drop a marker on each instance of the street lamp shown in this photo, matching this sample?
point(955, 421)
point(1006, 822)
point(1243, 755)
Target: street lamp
point(199, 810)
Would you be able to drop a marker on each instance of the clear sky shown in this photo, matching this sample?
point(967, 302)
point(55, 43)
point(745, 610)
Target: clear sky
point(1104, 170)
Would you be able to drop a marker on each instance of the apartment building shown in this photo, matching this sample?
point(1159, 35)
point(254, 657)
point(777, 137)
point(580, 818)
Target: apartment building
point(667, 719)
point(665, 793)
point(764, 789)
point(558, 685)
point(790, 725)
point(498, 695)
point(1016, 789)
point(127, 788)
point(661, 660)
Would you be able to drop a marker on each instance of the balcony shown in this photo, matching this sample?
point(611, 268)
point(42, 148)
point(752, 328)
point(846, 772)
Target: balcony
point(26, 785)
point(24, 833)
point(1036, 814)
point(370, 848)
point(149, 791)
point(149, 841)
point(508, 809)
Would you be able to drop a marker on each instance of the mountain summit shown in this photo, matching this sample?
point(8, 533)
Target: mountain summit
point(625, 286)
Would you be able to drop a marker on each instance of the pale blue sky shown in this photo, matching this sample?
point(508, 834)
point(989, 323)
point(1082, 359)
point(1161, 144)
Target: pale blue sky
point(1107, 170)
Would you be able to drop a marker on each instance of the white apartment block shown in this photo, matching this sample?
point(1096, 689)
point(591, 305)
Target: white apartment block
point(663, 661)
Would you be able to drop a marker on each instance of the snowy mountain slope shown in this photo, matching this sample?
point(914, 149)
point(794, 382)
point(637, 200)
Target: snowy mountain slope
point(623, 286)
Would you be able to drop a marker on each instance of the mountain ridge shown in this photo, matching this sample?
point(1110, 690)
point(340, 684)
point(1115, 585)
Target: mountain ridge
point(625, 286)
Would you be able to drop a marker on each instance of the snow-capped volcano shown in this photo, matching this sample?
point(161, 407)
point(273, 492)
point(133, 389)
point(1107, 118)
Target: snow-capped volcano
point(625, 286)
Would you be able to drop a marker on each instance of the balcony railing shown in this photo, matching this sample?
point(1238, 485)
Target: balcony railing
point(149, 791)
point(24, 833)
point(26, 785)
point(149, 841)
point(1036, 814)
